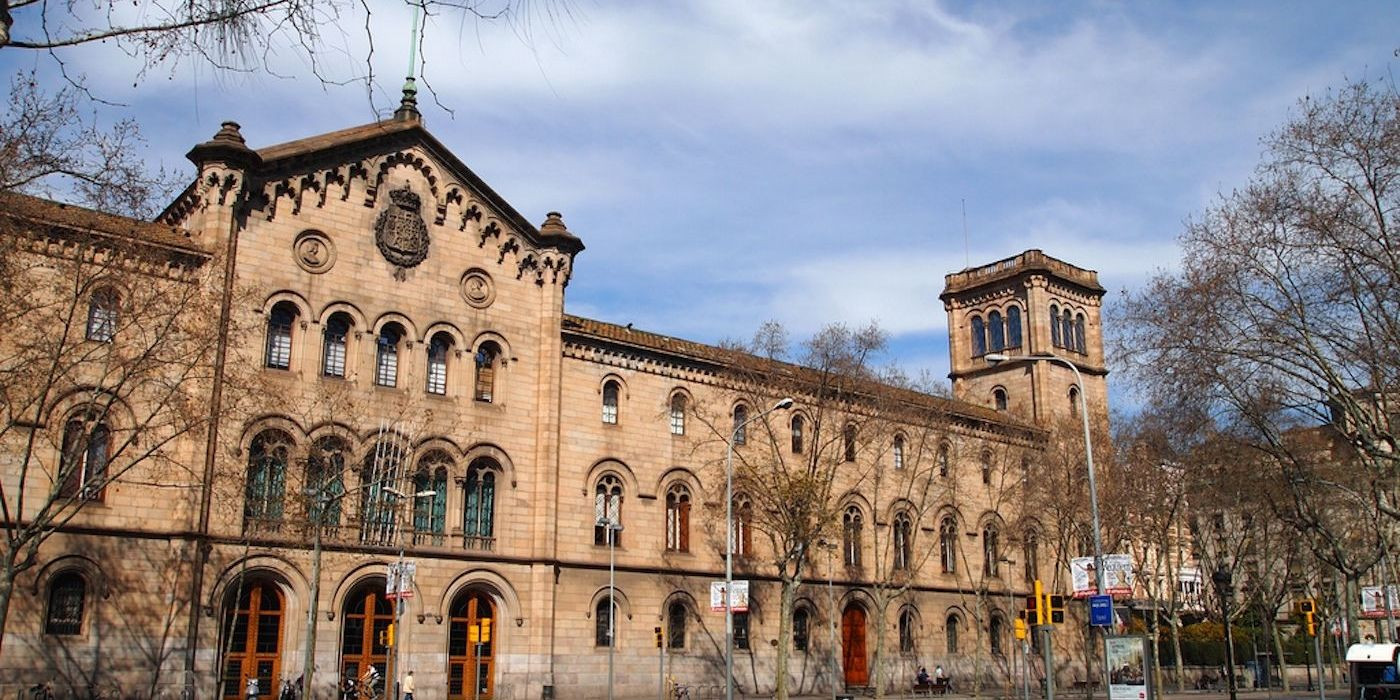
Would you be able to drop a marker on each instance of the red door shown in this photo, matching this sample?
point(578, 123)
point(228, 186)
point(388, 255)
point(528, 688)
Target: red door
point(853, 645)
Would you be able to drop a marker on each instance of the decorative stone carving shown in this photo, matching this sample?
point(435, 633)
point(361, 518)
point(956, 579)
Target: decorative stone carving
point(314, 252)
point(400, 232)
point(477, 289)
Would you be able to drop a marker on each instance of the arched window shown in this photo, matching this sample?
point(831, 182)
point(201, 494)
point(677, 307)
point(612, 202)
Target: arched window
point(83, 458)
point(278, 354)
point(102, 315)
point(386, 355)
point(943, 460)
point(741, 420)
point(951, 632)
point(995, 630)
point(1074, 402)
point(430, 511)
point(479, 505)
point(67, 597)
point(488, 356)
point(898, 451)
point(604, 615)
point(979, 337)
point(438, 348)
point(1079, 334)
point(379, 506)
point(799, 425)
point(334, 340)
point(948, 545)
point(611, 389)
point(1055, 326)
point(678, 518)
point(1013, 326)
point(851, 523)
point(675, 625)
point(987, 468)
point(1067, 330)
point(607, 509)
point(999, 398)
point(678, 414)
point(996, 331)
point(801, 629)
point(267, 481)
point(325, 476)
point(742, 546)
point(848, 441)
point(741, 630)
point(991, 554)
point(1030, 552)
point(906, 631)
point(903, 533)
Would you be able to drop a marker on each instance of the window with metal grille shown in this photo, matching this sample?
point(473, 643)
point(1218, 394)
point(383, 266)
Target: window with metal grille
point(86, 448)
point(386, 364)
point(102, 316)
point(801, 624)
point(67, 596)
point(610, 392)
point(607, 509)
point(899, 452)
point(850, 536)
point(798, 426)
point(675, 625)
point(741, 420)
point(678, 518)
point(678, 414)
point(906, 631)
point(486, 358)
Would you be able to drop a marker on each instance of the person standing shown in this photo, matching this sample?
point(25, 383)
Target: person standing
point(408, 686)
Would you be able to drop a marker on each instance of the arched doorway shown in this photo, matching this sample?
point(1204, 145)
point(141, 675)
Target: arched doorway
point(853, 661)
point(471, 643)
point(252, 638)
point(364, 624)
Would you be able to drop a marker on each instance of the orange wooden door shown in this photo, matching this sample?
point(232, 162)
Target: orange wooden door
point(853, 645)
point(470, 659)
point(253, 634)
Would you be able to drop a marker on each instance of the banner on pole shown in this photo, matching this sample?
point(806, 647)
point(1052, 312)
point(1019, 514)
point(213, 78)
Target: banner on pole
point(399, 583)
point(1373, 604)
point(738, 596)
point(1118, 575)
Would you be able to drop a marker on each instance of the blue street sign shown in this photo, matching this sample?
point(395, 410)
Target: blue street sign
point(1101, 610)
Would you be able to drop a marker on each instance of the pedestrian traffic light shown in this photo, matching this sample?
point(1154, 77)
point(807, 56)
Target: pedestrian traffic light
point(1312, 629)
point(1306, 606)
point(1035, 607)
point(1057, 609)
point(386, 636)
point(657, 630)
point(1019, 625)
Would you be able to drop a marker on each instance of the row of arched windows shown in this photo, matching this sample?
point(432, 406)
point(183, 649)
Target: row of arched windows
point(374, 498)
point(996, 333)
point(391, 345)
point(1067, 329)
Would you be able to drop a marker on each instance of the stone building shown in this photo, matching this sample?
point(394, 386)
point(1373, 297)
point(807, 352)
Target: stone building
point(397, 379)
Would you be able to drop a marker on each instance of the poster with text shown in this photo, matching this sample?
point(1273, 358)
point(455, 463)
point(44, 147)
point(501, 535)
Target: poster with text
point(1127, 668)
point(1373, 604)
point(1118, 575)
point(738, 597)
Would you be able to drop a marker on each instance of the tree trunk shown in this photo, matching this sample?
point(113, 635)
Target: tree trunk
point(1176, 650)
point(1282, 661)
point(786, 599)
point(7, 587)
point(877, 674)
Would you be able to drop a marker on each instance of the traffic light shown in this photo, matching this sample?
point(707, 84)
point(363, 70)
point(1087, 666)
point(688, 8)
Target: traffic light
point(1019, 625)
point(1306, 606)
point(1035, 607)
point(386, 636)
point(1057, 609)
point(1312, 629)
point(657, 630)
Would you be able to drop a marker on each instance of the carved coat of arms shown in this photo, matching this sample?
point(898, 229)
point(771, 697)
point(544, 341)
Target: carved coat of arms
point(400, 232)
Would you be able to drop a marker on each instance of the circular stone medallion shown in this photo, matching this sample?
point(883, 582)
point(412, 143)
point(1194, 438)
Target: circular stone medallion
point(477, 289)
point(314, 252)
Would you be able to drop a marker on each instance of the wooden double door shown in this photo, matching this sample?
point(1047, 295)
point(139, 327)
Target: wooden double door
point(854, 664)
point(252, 638)
point(471, 643)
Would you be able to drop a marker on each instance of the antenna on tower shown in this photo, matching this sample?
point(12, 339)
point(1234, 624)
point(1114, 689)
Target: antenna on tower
point(967, 253)
point(408, 106)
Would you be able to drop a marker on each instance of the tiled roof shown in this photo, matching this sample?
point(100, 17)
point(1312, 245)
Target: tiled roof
point(722, 357)
point(334, 138)
point(44, 211)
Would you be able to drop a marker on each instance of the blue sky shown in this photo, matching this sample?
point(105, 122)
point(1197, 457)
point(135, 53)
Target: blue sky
point(729, 162)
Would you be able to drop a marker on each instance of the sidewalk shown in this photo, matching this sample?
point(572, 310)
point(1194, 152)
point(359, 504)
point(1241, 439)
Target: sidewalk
point(999, 694)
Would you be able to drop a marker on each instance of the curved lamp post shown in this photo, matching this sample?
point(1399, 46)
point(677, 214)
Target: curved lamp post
point(996, 358)
point(729, 544)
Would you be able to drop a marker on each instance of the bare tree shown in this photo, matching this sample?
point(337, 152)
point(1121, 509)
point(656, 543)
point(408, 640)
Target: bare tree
point(112, 331)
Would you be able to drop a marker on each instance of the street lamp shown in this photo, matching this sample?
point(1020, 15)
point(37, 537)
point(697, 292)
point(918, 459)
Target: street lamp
point(998, 358)
point(729, 542)
point(612, 527)
point(400, 496)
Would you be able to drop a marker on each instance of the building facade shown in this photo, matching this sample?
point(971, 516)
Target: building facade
point(396, 379)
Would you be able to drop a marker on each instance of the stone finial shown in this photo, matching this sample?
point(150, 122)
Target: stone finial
point(408, 106)
point(227, 146)
point(555, 233)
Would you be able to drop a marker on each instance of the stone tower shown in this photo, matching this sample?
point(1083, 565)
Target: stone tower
point(1029, 304)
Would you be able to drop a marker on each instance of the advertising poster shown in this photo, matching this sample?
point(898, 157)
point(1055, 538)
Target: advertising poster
point(739, 597)
point(1118, 575)
point(1127, 668)
point(1373, 604)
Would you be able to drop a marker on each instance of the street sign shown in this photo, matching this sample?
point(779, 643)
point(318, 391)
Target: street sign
point(1101, 610)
